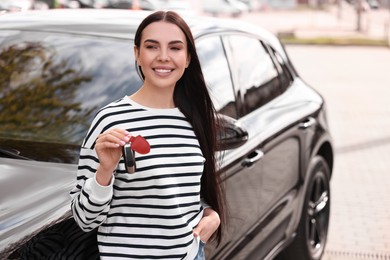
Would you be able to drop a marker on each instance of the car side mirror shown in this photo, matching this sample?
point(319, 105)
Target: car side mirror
point(230, 134)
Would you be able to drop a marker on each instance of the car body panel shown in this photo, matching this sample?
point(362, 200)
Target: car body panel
point(43, 200)
point(282, 149)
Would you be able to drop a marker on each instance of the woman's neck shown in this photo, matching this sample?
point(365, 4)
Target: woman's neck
point(156, 98)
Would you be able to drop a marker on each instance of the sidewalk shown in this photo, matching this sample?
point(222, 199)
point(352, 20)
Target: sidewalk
point(354, 82)
point(331, 23)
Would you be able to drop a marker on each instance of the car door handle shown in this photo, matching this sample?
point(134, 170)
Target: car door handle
point(307, 123)
point(253, 157)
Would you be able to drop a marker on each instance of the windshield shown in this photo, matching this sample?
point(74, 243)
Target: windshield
point(51, 85)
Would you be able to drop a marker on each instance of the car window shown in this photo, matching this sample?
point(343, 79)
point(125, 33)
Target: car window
point(285, 75)
point(51, 85)
point(217, 74)
point(256, 74)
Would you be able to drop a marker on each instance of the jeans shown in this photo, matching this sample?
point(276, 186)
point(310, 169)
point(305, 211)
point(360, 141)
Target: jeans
point(201, 255)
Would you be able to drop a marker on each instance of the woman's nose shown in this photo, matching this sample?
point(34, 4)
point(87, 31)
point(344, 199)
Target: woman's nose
point(163, 55)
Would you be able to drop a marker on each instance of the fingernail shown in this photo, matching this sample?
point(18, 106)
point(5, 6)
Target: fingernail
point(126, 139)
point(122, 142)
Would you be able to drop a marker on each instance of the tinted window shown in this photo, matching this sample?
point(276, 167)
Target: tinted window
point(217, 75)
point(52, 85)
point(256, 74)
point(285, 74)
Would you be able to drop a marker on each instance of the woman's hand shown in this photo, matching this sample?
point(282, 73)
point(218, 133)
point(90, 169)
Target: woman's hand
point(109, 151)
point(207, 225)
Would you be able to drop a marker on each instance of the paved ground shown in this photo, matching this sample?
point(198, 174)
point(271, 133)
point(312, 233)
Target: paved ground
point(355, 81)
point(356, 87)
point(333, 22)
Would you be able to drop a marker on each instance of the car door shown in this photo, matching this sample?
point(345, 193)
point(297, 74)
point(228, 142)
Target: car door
point(274, 114)
point(241, 167)
point(259, 85)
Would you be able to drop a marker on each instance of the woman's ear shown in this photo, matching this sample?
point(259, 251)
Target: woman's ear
point(136, 54)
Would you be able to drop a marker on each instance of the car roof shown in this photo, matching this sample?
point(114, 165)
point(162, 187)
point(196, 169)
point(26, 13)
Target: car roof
point(119, 23)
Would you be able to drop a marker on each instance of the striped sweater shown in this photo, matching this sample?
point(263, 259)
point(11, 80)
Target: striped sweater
point(151, 213)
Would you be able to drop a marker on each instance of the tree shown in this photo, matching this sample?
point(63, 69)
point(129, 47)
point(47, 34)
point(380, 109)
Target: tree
point(37, 95)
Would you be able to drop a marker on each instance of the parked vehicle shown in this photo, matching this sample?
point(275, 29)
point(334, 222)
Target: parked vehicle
point(22, 5)
point(253, 5)
point(221, 7)
point(373, 4)
point(111, 4)
point(244, 8)
point(125, 4)
point(58, 67)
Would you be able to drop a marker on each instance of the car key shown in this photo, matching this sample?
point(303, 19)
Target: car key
point(136, 144)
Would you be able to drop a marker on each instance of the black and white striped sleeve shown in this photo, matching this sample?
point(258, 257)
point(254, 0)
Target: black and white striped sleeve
point(90, 200)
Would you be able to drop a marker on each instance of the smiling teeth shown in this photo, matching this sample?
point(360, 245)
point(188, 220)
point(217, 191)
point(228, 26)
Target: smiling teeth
point(163, 70)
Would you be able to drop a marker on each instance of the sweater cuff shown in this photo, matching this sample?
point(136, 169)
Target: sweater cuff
point(99, 192)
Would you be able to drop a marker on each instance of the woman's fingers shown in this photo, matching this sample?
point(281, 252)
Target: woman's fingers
point(207, 225)
point(108, 147)
point(113, 138)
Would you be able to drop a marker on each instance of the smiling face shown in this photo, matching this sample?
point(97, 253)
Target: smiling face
point(162, 55)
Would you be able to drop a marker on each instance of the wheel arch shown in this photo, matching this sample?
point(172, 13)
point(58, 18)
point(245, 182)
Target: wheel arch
point(326, 152)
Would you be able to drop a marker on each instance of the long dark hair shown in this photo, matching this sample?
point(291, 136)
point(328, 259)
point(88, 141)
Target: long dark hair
point(192, 98)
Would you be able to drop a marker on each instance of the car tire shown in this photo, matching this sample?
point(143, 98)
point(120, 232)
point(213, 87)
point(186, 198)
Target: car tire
point(310, 240)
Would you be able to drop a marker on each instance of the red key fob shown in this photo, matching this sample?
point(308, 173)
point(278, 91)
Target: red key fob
point(138, 144)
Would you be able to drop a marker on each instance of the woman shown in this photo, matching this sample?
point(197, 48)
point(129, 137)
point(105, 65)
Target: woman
point(172, 204)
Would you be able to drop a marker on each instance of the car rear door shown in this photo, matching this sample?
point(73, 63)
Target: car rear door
point(276, 113)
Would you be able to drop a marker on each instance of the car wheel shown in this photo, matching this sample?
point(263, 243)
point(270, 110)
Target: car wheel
point(309, 243)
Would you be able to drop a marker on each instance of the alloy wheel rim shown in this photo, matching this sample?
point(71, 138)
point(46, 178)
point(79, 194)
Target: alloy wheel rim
point(318, 215)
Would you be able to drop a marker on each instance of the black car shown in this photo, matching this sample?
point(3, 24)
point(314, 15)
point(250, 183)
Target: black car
point(57, 67)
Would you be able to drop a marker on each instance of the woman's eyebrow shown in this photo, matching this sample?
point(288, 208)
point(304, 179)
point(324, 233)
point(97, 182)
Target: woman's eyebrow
point(171, 42)
point(151, 40)
point(176, 42)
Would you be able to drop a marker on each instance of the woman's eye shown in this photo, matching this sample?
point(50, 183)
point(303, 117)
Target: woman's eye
point(151, 47)
point(176, 48)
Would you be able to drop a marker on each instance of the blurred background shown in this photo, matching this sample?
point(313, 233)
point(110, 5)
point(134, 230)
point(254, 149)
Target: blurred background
point(290, 19)
point(342, 49)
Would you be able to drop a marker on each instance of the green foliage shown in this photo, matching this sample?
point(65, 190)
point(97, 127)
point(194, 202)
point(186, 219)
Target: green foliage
point(37, 92)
